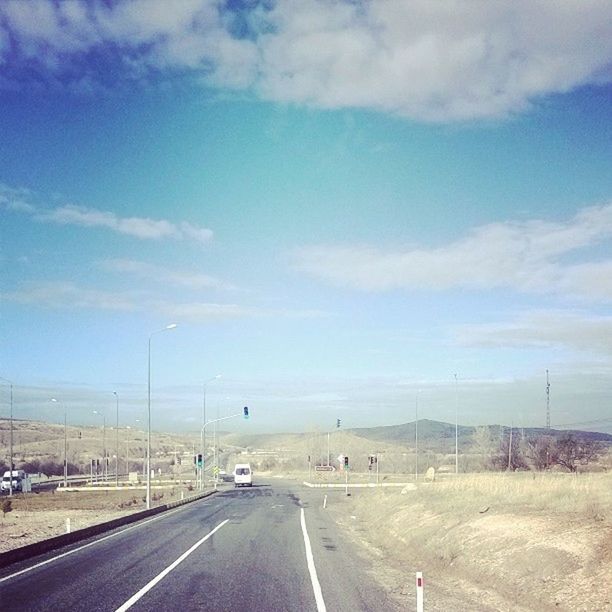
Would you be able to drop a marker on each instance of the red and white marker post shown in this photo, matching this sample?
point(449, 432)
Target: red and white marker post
point(419, 591)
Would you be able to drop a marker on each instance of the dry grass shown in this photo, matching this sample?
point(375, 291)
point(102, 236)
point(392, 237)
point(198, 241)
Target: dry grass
point(555, 493)
point(523, 540)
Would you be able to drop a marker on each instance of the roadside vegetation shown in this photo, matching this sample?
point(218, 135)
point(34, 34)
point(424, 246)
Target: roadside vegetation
point(524, 540)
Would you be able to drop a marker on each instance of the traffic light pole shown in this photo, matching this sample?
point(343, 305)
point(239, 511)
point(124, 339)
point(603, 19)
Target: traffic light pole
point(244, 414)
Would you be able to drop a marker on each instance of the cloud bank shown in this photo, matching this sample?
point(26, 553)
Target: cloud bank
point(433, 61)
point(543, 329)
point(530, 257)
point(160, 274)
point(67, 295)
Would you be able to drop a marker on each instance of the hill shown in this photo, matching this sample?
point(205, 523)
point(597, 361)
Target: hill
point(438, 436)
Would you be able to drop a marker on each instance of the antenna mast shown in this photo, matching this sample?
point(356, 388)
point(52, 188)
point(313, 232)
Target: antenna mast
point(547, 402)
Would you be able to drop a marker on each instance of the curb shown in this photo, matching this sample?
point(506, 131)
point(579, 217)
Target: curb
point(356, 485)
point(38, 548)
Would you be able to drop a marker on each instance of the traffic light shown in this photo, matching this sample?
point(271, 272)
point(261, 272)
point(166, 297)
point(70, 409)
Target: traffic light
point(346, 462)
point(199, 459)
point(246, 412)
point(338, 423)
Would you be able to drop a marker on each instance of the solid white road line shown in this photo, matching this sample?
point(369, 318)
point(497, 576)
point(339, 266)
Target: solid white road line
point(316, 587)
point(112, 535)
point(147, 587)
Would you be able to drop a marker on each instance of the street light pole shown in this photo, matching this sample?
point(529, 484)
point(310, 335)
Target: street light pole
point(104, 471)
point(203, 430)
point(65, 444)
point(148, 462)
point(11, 445)
point(10, 437)
point(117, 441)
point(65, 449)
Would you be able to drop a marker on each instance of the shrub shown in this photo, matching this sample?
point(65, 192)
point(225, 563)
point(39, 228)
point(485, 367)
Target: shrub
point(7, 506)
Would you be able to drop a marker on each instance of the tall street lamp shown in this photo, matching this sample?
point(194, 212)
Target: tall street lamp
point(65, 444)
point(127, 450)
point(117, 441)
point(104, 470)
point(10, 438)
point(171, 326)
point(203, 430)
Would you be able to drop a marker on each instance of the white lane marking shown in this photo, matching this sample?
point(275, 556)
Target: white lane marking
point(316, 587)
point(112, 535)
point(147, 587)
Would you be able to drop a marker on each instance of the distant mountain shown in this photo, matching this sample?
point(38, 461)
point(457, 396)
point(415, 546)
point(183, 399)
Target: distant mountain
point(440, 436)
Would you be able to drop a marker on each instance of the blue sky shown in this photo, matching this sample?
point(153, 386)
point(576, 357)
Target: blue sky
point(340, 204)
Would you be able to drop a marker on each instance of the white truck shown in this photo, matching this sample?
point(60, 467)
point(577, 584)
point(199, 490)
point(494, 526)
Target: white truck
point(21, 482)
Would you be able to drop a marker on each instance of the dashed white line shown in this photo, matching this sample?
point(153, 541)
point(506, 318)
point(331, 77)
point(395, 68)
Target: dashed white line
point(147, 587)
point(316, 587)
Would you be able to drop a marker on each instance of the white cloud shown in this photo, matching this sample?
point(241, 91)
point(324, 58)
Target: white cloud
point(202, 312)
point(543, 329)
point(438, 61)
point(21, 201)
point(192, 280)
point(66, 295)
point(527, 256)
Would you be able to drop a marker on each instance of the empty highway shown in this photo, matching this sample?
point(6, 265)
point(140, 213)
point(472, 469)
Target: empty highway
point(270, 547)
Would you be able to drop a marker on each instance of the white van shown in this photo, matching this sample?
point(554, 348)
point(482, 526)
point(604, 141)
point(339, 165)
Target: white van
point(19, 477)
point(243, 475)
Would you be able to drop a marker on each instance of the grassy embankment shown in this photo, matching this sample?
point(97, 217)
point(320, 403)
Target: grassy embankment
point(538, 541)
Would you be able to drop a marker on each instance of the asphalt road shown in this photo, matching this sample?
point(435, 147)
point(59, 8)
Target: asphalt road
point(257, 558)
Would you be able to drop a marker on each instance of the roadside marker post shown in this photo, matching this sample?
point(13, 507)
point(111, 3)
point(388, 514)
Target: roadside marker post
point(68, 525)
point(325, 502)
point(419, 591)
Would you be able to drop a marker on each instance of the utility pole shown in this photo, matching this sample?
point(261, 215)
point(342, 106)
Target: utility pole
point(547, 401)
point(510, 449)
point(11, 466)
point(65, 449)
point(416, 437)
point(456, 426)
